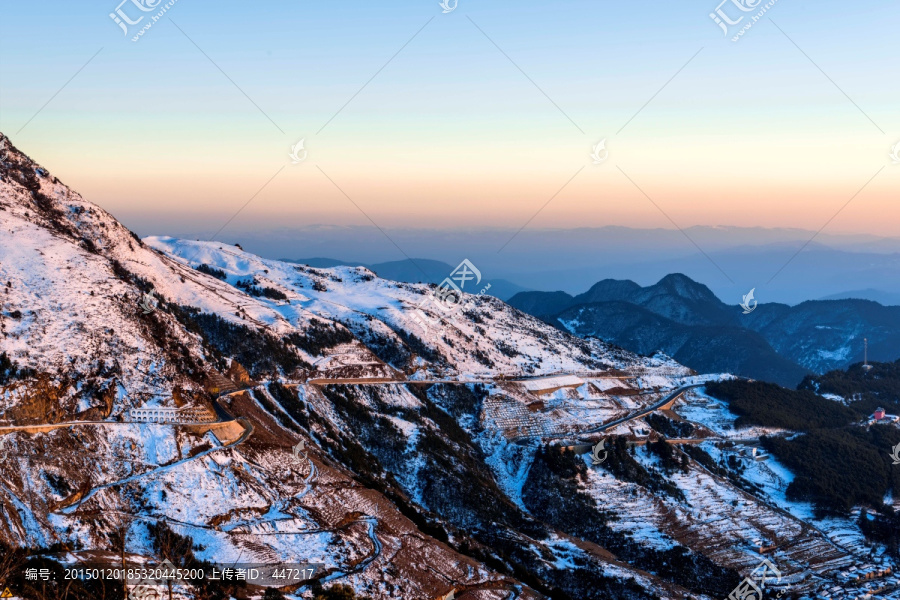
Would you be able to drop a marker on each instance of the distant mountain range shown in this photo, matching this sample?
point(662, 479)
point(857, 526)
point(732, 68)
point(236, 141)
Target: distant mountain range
point(684, 319)
point(879, 296)
point(416, 270)
point(784, 264)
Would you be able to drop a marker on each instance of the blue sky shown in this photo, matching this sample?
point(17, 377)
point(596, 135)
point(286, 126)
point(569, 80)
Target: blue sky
point(451, 133)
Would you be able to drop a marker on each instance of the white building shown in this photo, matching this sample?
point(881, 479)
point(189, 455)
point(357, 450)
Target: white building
point(190, 414)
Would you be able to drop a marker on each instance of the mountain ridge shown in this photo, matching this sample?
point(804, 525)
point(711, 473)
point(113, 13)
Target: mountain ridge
point(414, 270)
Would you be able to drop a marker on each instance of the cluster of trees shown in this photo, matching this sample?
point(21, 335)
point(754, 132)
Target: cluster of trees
point(506, 349)
point(386, 347)
point(10, 370)
point(260, 353)
point(395, 352)
point(671, 459)
point(731, 468)
point(461, 401)
point(320, 336)
point(668, 427)
point(770, 405)
point(56, 218)
point(883, 528)
point(419, 347)
point(869, 389)
point(273, 410)
point(179, 549)
point(343, 444)
point(482, 357)
point(289, 401)
point(209, 270)
point(252, 288)
point(625, 468)
point(838, 465)
point(838, 469)
point(553, 491)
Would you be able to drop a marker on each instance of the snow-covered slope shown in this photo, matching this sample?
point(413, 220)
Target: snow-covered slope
point(490, 339)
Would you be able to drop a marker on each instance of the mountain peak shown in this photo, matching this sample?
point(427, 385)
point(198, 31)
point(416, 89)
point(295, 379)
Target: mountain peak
point(609, 289)
point(685, 287)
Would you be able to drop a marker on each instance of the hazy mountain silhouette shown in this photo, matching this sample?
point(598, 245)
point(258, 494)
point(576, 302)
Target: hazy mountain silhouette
point(879, 296)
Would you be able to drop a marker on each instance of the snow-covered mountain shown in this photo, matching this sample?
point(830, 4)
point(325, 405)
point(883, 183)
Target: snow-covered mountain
point(268, 412)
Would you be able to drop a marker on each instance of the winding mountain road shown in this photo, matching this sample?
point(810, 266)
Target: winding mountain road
point(645, 411)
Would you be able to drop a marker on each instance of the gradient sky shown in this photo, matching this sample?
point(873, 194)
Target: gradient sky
point(451, 133)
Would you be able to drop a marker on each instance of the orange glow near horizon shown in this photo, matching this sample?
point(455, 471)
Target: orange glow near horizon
point(694, 183)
